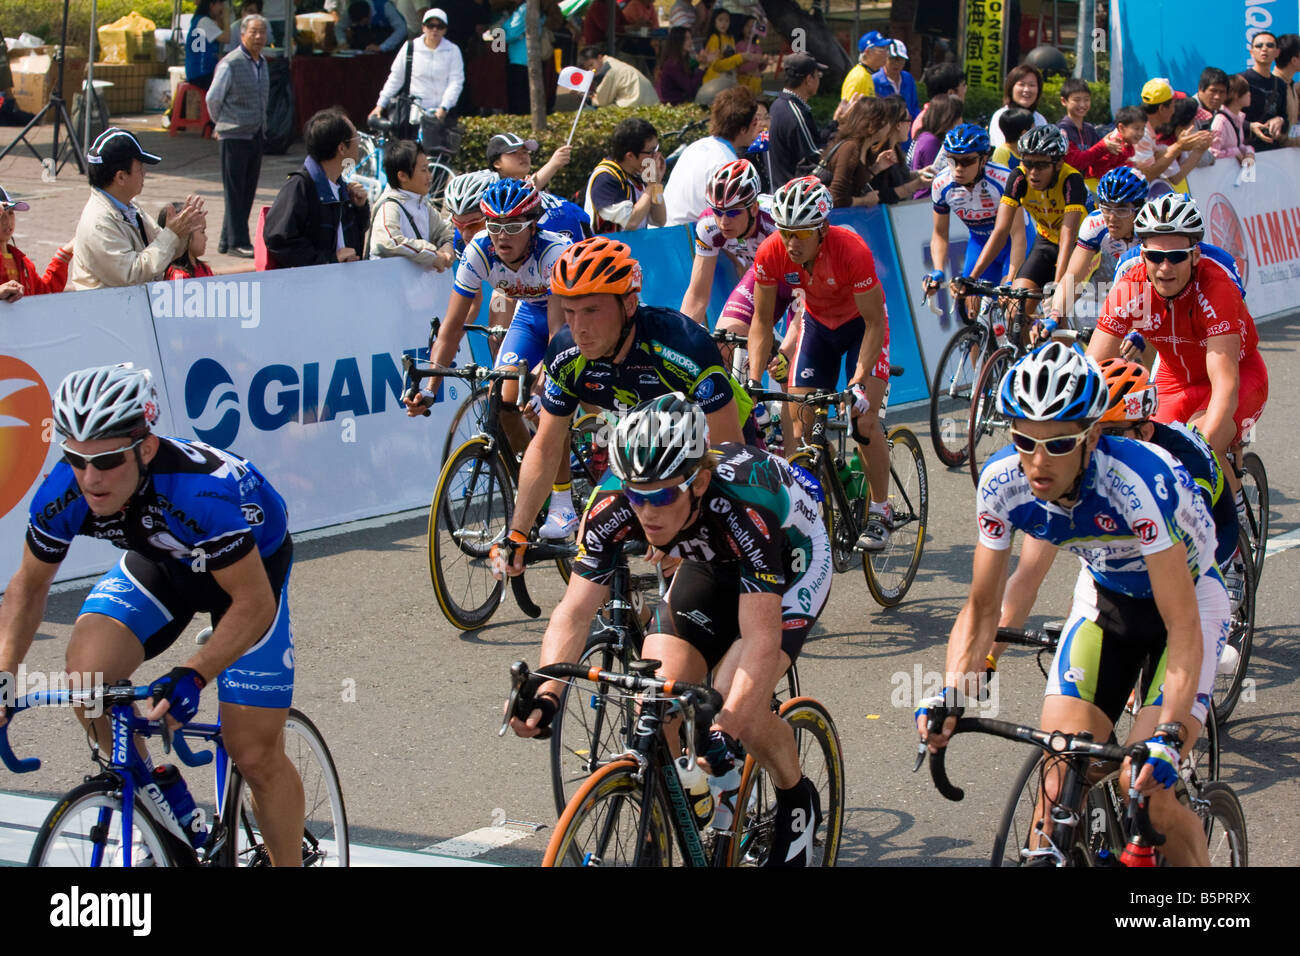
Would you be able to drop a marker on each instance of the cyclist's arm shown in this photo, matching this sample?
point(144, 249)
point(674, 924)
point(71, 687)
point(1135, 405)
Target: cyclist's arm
point(977, 623)
point(871, 306)
point(1069, 236)
point(1019, 246)
point(251, 613)
point(764, 317)
point(23, 609)
point(1007, 216)
point(695, 302)
point(724, 425)
point(537, 470)
point(1221, 368)
point(451, 330)
point(1175, 596)
point(939, 242)
point(1036, 557)
point(1104, 345)
point(554, 316)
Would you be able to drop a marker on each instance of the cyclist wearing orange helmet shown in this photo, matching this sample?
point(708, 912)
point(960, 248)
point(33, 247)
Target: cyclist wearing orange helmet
point(615, 353)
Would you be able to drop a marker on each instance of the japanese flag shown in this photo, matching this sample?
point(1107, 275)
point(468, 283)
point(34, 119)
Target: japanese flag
point(572, 78)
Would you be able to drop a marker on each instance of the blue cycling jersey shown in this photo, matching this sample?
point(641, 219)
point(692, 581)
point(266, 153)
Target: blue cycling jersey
point(564, 218)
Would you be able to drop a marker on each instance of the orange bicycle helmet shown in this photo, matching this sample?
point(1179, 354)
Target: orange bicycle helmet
point(1132, 393)
point(596, 265)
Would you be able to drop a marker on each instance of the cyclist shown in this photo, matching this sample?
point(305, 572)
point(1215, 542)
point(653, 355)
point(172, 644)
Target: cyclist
point(514, 258)
point(612, 353)
point(1149, 597)
point(755, 575)
point(1188, 307)
point(971, 186)
point(844, 317)
point(1054, 196)
point(203, 531)
point(464, 193)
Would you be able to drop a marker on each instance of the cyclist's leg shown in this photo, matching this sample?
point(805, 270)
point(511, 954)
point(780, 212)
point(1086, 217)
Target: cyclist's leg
point(1038, 270)
point(524, 346)
point(1252, 395)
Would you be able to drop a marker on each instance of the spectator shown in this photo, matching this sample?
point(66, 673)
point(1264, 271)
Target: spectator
point(733, 125)
point(412, 12)
point(518, 97)
point(18, 275)
point(1211, 91)
point(187, 265)
point(625, 190)
point(1076, 98)
point(364, 35)
point(939, 78)
point(683, 14)
point(1150, 157)
point(511, 157)
point(1022, 87)
point(1188, 146)
point(1014, 123)
point(795, 138)
point(676, 78)
point(117, 243)
point(1130, 127)
point(316, 217)
point(1229, 127)
point(386, 25)
point(404, 222)
point(891, 180)
point(1284, 68)
point(859, 151)
point(203, 42)
point(431, 68)
point(873, 51)
point(1266, 115)
point(943, 112)
point(633, 13)
point(237, 103)
point(749, 43)
point(246, 9)
point(616, 83)
point(892, 79)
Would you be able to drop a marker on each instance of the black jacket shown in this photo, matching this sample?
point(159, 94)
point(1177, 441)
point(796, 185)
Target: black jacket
point(794, 137)
point(302, 224)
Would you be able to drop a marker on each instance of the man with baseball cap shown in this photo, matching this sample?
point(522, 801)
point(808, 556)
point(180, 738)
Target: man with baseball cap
point(430, 68)
point(117, 243)
point(794, 136)
point(1150, 157)
point(18, 275)
point(891, 79)
point(873, 51)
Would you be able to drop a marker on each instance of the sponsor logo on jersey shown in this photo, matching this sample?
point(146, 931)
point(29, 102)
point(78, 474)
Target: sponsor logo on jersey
point(1162, 488)
point(677, 358)
point(794, 623)
point(1107, 524)
point(726, 472)
point(704, 390)
point(804, 596)
point(24, 408)
point(759, 523)
point(1074, 675)
point(720, 505)
point(992, 525)
point(1146, 530)
point(791, 278)
point(253, 514)
point(114, 585)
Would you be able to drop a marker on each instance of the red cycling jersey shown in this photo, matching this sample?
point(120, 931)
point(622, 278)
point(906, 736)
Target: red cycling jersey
point(844, 267)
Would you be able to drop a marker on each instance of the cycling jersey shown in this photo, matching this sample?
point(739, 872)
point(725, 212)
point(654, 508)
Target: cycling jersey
point(709, 240)
point(1048, 207)
point(529, 282)
point(1134, 500)
point(564, 219)
point(1191, 450)
point(975, 205)
point(669, 353)
point(844, 267)
point(1096, 237)
point(1219, 258)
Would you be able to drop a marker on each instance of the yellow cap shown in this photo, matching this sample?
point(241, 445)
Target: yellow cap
point(1157, 91)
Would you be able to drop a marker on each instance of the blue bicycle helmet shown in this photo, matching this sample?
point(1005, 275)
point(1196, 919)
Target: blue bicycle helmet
point(966, 139)
point(511, 199)
point(1055, 382)
point(1124, 184)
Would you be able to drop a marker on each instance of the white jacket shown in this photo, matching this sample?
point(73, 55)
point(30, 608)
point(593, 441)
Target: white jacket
point(109, 250)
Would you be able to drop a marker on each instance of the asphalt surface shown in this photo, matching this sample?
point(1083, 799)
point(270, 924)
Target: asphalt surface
point(410, 706)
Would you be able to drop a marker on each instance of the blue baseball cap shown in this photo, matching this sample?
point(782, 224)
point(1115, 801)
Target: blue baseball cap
point(872, 39)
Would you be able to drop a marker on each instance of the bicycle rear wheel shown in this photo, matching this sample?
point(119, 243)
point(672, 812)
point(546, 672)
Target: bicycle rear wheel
point(325, 824)
point(1225, 824)
point(599, 826)
point(471, 511)
point(84, 829)
point(822, 761)
point(890, 571)
point(1241, 637)
point(951, 392)
point(988, 429)
point(1254, 486)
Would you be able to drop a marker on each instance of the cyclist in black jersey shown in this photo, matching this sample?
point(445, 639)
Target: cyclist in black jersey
point(755, 574)
point(203, 531)
point(614, 353)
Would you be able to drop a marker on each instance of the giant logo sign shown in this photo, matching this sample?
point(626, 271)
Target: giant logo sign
point(24, 409)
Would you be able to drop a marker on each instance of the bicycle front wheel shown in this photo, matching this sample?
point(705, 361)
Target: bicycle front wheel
point(988, 430)
point(1235, 657)
point(951, 392)
point(1225, 824)
point(470, 419)
point(600, 825)
point(85, 829)
point(1254, 486)
point(891, 570)
point(822, 762)
point(325, 822)
point(471, 512)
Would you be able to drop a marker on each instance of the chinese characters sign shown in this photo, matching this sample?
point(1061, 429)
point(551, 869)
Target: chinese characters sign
point(986, 22)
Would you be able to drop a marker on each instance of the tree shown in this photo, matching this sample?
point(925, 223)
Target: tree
point(807, 32)
point(536, 91)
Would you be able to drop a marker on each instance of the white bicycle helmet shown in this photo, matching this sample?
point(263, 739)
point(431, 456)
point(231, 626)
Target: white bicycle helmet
point(1054, 383)
point(1172, 214)
point(466, 190)
point(110, 401)
point(659, 439)
point(733, 185)
point(801, 203)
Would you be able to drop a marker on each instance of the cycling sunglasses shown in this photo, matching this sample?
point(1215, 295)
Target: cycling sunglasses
point(964, 161)
point(797, 233)
point(1121, 212)
point(463, 222)
point(104, 461)
point(660, 498)
point(1173, 256)
point(727, 213)
point(1056, 446)
point(507, 228)
point(1037, 164)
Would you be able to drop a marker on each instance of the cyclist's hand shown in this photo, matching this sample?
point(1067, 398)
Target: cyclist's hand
point(1133, 347)
point(779, 367)
point(931, 282)
point(861, 400)
point(1042, 330)
point(538, 712)
point(415, 407)
point(958, 285)
point(936, 719)
point(664, 561)
point(375, 113)
point(1160, 772)
point(507, 557)
point(176, 695)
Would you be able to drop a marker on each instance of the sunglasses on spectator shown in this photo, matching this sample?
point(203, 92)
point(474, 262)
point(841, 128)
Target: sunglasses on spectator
point(797, 233)
point(1173, 256)
point(104, 461)
point(507, 228)
point(964, 161)
point(1037, 164)
point(1122, 212)
point(727, 213)
point(1056, 446)
point(660, 498)
point(433, 25)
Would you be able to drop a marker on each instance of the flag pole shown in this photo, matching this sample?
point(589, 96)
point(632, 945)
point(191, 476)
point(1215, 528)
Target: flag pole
point(574, 127)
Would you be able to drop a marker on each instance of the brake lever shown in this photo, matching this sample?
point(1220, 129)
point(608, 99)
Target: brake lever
point(518, 677)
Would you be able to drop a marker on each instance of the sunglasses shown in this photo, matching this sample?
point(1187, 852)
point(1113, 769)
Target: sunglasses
point(104, 461)
point(1038, 164)
point(1121, 432)
point(1174, 257)
point(507, 228)
point(1265, 46)
point(1120, 212)
point(435, 26)
point(964, 161)
point(797, 233)
point(464, 222)
point(660, 498)
point(727, 213)
point(648, 152)
point(1056, 446)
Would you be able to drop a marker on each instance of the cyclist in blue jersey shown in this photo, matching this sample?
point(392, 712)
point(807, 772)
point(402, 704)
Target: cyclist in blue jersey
point(203, 531)
point(1149, 598)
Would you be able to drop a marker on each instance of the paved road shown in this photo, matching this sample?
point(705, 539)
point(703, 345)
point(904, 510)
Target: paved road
point(410, 706)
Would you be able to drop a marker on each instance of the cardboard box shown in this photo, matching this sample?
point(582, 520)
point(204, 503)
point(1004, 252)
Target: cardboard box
point(35, 71)
point(128, 40)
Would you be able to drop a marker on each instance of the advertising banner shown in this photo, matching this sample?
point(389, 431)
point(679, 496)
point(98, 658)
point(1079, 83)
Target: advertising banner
point(986, 43)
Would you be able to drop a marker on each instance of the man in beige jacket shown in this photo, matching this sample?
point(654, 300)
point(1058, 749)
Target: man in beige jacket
point(117, 243)
point(616, 83)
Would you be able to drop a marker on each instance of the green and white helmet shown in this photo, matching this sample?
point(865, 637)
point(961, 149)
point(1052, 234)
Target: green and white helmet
point(659, 439)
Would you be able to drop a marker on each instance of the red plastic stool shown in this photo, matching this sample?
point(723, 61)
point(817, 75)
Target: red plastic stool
point(179, 122)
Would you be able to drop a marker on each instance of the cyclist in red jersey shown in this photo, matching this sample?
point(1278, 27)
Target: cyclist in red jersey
point(833, 275)
point(1211, 374)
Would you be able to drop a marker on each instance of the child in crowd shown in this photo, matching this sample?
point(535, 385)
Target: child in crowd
point(187, 265)
point(1013, 123)
point(18, 275)
point(1228, 124)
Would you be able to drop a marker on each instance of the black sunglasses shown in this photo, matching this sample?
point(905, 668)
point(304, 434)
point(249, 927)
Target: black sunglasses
point(104, 461)
point(1173, 256)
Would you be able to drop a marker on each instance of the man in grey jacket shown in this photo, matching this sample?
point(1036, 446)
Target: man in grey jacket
point(237, 103)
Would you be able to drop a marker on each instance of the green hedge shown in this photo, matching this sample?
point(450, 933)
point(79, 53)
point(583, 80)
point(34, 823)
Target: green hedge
point(1049, 104)
point(590, 142)
point(45, 17)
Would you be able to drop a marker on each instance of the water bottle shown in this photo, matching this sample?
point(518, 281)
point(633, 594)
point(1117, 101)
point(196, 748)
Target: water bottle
point(177, 794)
point(846, 474)
point(696, 784)
point(856, 486)
point(724, 790)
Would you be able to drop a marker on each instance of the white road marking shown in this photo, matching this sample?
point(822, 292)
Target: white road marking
point(1283, 542)
point(478, 842)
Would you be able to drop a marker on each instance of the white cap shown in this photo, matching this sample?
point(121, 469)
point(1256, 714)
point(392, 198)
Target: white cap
point(434, 13)
point(898, 48)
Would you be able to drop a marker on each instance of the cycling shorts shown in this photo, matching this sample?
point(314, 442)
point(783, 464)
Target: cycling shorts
point(740, 304)
point(997, 269)
point(1110, 638)
point(1040, 263)
point(527, 337)
point(820, 350)
point(1180, 401)
point(157, 601)
point(702, 605)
